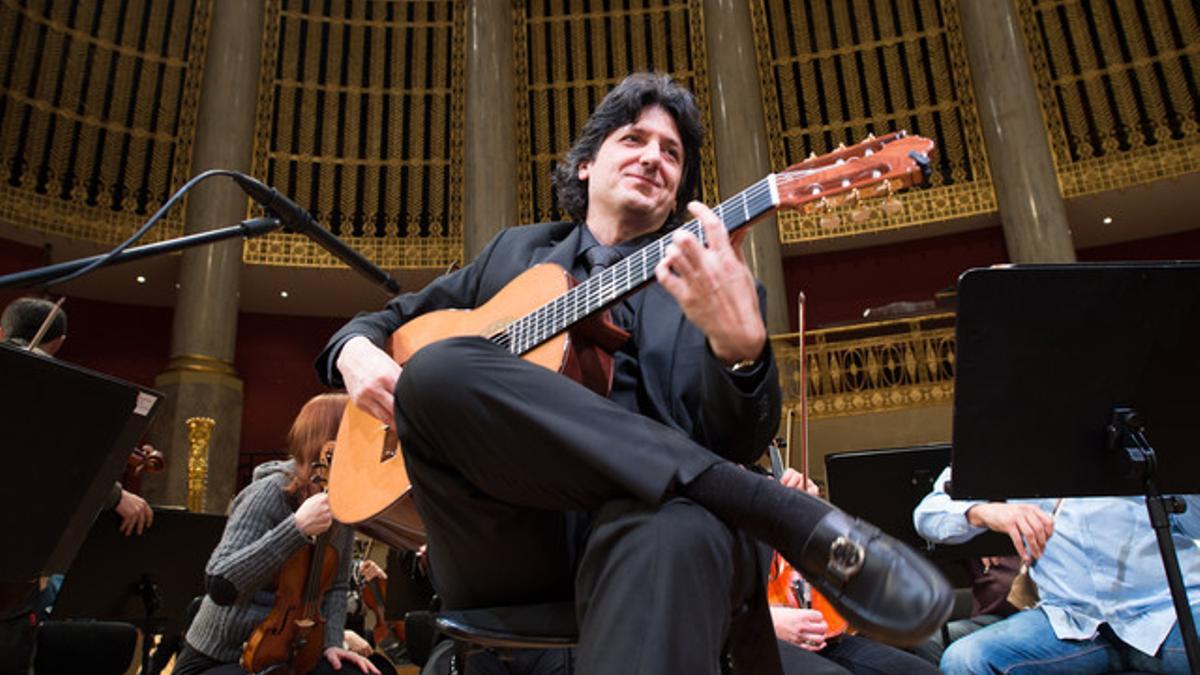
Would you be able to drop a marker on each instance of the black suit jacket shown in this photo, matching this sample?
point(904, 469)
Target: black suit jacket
point(679, 382)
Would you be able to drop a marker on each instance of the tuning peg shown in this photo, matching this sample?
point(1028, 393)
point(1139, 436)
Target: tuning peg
point(892, 206)
point(870, 137)
point(853, 197)
point(811, 155)
point(884, 187)
point(841, 146)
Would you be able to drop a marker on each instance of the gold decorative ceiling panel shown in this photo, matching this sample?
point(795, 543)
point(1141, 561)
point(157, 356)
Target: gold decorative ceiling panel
point(567, 55)
point(97, 113)
point(831, 73)
point(360, 120)
point(1119, 84)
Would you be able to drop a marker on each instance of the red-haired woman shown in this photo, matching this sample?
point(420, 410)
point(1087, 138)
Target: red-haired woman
point(277, 514)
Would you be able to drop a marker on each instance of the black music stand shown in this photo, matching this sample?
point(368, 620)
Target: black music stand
point(148, 579)
point(68, 434)
point(884, 486)
point(1066, 374)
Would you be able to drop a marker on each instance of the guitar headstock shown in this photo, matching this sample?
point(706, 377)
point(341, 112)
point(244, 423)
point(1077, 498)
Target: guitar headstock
point(875, 167)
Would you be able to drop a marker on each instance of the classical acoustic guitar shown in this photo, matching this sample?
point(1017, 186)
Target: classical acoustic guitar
point(545, 316)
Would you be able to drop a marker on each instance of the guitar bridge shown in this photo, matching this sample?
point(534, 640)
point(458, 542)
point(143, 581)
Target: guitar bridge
point(390, 443)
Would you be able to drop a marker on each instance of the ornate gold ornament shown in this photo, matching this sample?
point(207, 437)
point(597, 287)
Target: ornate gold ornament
point(870, 367)
point(200, 430)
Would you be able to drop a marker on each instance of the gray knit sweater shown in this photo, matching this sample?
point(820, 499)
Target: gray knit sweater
point(259, 537)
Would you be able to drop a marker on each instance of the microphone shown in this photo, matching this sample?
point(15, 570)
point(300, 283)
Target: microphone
point(298, 220)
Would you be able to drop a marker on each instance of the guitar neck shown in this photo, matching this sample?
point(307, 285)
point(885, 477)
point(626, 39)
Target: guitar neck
point(628, 274)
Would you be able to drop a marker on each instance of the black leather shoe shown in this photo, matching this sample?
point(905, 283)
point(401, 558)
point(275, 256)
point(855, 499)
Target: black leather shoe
point(881, 586)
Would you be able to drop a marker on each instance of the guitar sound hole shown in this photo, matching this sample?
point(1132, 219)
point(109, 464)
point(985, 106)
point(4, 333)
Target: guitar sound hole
point(390, 445)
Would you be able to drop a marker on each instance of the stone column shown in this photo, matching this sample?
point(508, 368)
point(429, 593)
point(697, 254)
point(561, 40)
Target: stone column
point(490, 191)
point(200, 380)
point(740, 136)
point(1031, 205)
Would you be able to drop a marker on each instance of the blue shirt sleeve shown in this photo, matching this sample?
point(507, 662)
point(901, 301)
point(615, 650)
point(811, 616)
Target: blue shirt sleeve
point(943, 520)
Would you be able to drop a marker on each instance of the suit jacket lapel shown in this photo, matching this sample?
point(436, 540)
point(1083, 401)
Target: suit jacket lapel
point(561, 252)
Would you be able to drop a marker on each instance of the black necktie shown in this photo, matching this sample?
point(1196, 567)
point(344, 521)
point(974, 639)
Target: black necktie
point(598, 258)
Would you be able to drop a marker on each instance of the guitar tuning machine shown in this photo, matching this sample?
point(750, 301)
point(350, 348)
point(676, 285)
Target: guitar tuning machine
point(829, 219)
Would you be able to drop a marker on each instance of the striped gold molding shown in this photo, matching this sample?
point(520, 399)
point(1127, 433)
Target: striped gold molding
point(200, 363)
point(870, 367)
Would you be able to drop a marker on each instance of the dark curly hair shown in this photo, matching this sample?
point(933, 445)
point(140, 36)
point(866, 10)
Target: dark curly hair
point(624, 105)
point(24, 316)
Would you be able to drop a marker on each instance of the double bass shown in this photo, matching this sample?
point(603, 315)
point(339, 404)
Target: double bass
point(292, 637)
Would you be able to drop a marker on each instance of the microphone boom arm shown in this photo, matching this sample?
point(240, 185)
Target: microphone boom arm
point(247, 228)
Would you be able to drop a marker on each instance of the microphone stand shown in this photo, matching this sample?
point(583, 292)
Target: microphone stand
point(247, 228)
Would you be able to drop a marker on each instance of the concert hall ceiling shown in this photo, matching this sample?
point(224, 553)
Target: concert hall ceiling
point(360, 113)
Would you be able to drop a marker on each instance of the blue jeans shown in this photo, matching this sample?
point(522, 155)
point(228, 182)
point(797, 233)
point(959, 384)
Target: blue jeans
point(1025, 643)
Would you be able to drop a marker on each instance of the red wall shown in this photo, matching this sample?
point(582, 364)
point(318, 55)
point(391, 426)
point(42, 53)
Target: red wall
point(838, 286)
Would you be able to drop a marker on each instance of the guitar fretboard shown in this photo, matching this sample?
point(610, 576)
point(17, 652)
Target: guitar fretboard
point(627, 275)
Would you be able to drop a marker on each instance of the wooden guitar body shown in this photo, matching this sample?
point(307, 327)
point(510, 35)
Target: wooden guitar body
point(369, 487)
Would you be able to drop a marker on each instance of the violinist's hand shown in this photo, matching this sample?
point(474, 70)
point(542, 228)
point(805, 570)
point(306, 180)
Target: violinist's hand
point(136, 514)
point(314, 517)
point(355, 643)
point(804, 628)
point(336, 655)
point(714, 288)
point(797, 481)
point(370, 571)
point(1028, 526)
point(370, 376)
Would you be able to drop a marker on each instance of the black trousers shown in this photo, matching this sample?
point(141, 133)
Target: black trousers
point(501, 450)
point(856, 655)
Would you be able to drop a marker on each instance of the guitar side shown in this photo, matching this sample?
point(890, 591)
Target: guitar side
point(369, 487)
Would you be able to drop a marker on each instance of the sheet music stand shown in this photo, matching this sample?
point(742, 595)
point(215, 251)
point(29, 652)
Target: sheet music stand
point(884, 486)
point(1065, 376)
point(69, 432)
point(147, 579)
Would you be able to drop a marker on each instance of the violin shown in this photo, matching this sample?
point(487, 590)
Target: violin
point(786, 588)
point(293, 634)
point(389, 635)
point(144, 459)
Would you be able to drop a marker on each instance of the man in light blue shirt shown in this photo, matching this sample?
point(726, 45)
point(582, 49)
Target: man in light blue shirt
point(1104, 602)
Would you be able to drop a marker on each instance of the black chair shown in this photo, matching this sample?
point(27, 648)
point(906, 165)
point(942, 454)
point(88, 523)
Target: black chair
point(504, 629)
point(71, 647)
